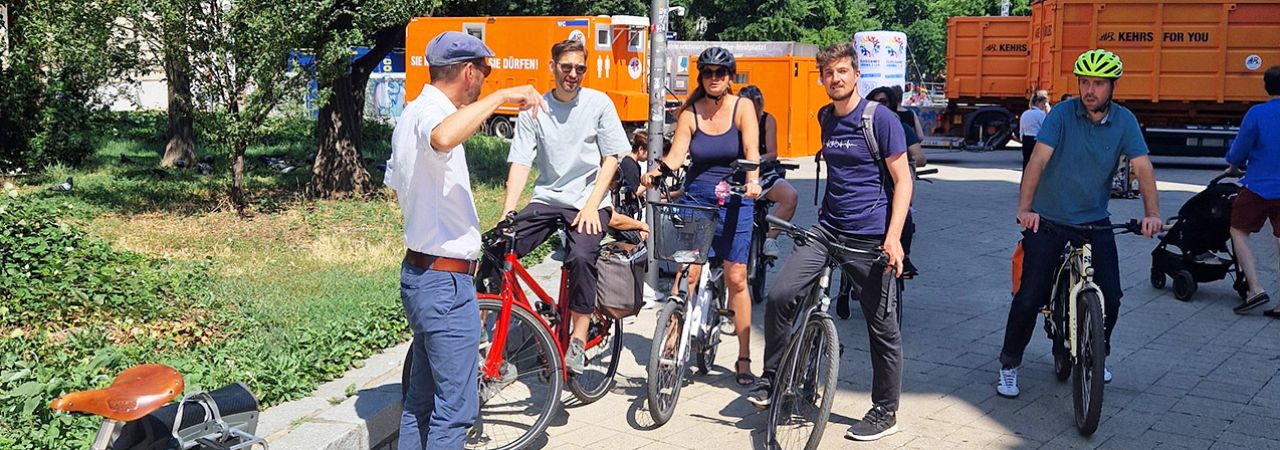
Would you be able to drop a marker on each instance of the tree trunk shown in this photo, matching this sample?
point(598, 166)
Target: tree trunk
point(237, 179)
point(339, 167)
point(181, 149)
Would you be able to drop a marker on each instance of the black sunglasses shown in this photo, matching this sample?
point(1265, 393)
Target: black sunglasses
point(567, 68)
point(484, 68)
point(715, 73)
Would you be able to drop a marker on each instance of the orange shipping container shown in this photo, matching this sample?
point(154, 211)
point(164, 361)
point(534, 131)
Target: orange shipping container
point(1192, 67)
point(987, 56)
point(617, 57)
point(1205, 57)
point(792, 94)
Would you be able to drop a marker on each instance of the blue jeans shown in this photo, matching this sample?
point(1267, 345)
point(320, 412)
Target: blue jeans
point(442, 400)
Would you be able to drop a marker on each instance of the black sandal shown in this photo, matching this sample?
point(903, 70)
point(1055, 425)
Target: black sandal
point(744, 378)
point(1272, 313)
point(1252, 302)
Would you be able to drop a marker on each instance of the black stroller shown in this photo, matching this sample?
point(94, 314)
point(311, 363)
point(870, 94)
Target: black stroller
point(1201, 234)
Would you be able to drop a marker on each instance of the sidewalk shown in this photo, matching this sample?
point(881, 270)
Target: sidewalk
point(1187, 374)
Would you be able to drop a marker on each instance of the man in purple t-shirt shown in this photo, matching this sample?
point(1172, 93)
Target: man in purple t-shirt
point(865, 208)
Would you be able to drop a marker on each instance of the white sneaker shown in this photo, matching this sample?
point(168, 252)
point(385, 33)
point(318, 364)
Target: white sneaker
point(1106, 374)
point(1007, 385)
point(771, 248)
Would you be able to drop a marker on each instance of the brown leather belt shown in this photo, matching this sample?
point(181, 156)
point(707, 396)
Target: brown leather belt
point(440, 263)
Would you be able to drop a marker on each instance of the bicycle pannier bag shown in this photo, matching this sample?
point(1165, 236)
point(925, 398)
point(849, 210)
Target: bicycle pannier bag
point(620, 282)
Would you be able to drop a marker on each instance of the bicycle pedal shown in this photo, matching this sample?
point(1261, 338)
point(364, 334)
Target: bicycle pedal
point(725, 312)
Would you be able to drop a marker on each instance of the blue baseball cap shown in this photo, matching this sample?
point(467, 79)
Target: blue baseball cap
point(453, 47)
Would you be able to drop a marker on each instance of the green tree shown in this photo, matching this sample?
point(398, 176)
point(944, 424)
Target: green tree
point(59, 54)
point(820, 22)
point(239, 55)
point(163, 26)
point(464, 8)
point(379, 24)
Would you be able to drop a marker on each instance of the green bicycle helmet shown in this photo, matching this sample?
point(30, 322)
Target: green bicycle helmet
point(1099, 63)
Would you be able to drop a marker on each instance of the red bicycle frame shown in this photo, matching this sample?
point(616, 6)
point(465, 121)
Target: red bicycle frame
point(513, 295)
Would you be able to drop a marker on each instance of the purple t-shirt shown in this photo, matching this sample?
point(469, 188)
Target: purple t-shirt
point(855, 202)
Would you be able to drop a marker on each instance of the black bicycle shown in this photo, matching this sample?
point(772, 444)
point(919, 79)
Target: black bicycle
point(758, 263)
point(805, 385)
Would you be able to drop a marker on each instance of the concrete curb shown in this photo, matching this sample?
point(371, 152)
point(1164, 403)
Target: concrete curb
point(330, 419)
point(369, 419)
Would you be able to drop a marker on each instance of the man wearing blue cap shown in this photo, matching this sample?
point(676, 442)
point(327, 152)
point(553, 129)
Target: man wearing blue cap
point(428, 171)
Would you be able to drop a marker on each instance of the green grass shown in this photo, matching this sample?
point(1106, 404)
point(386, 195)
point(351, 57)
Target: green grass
point(301, 292)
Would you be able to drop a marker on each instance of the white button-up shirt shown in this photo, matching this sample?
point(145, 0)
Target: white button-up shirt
point(433, 187)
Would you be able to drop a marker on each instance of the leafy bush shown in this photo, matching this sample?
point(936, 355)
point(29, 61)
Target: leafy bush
point(59, 55)
point(51, 272)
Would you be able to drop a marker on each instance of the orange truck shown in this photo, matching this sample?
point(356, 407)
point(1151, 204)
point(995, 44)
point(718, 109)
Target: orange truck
point(786, 74)
point(1191, 67)
point(617, 58)
point(792, 94)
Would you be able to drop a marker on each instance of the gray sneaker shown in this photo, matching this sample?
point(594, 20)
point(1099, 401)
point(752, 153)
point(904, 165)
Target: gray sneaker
point(878, 423)
point(507, 374)
point(575, 359)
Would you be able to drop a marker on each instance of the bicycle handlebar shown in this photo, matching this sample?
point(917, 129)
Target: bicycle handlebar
point(775, 164)
point(803, 236)
point(926, 172)
point(1132, 226)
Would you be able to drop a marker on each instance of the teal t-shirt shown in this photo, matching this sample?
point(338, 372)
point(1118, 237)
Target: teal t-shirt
point(1076, 183)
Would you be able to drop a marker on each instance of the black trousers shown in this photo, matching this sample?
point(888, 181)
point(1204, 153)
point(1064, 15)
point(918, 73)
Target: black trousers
point(1028, 146)
point(582, 250)
point(1040, 260)
point(877, 290)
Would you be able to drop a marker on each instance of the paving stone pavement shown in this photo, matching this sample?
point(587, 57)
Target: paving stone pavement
point(1187, 374)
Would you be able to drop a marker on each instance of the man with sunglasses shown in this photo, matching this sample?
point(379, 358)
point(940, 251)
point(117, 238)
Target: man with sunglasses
point(576, 148)
point(428, 171)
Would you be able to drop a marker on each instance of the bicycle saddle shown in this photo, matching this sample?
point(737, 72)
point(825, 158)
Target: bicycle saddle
point(136, 392)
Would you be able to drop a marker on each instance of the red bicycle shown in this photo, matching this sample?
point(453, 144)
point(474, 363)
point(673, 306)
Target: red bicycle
point(522, 348)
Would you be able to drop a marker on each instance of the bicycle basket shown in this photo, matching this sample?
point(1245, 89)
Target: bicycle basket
point(684, 232)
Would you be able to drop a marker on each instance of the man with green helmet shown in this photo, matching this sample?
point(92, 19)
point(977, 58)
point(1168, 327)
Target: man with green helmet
point(1068, 181)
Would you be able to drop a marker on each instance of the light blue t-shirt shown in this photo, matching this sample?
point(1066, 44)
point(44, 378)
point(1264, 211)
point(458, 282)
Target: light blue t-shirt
point(1076, 184)
point(1258, 146)
point(567, 145)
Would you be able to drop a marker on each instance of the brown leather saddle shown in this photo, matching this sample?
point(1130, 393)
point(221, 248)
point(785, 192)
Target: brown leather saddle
point(136, 392)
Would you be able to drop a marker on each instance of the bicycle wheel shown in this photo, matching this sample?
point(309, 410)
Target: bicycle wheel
point(805, 388)
point(1062, 366)
point(756, 265)
point(404, 375)
point(720, 301)
point(1090, 363)
point(666, 367)
point(706, 357)
point(604, 346)
point(516, 407)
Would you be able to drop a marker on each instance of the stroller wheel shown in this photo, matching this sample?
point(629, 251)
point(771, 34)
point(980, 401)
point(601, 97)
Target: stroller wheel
point(1184, 285)
point(1157, 279)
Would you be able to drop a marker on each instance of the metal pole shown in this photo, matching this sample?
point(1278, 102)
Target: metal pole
point(657, 117)
point(1004, 8)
